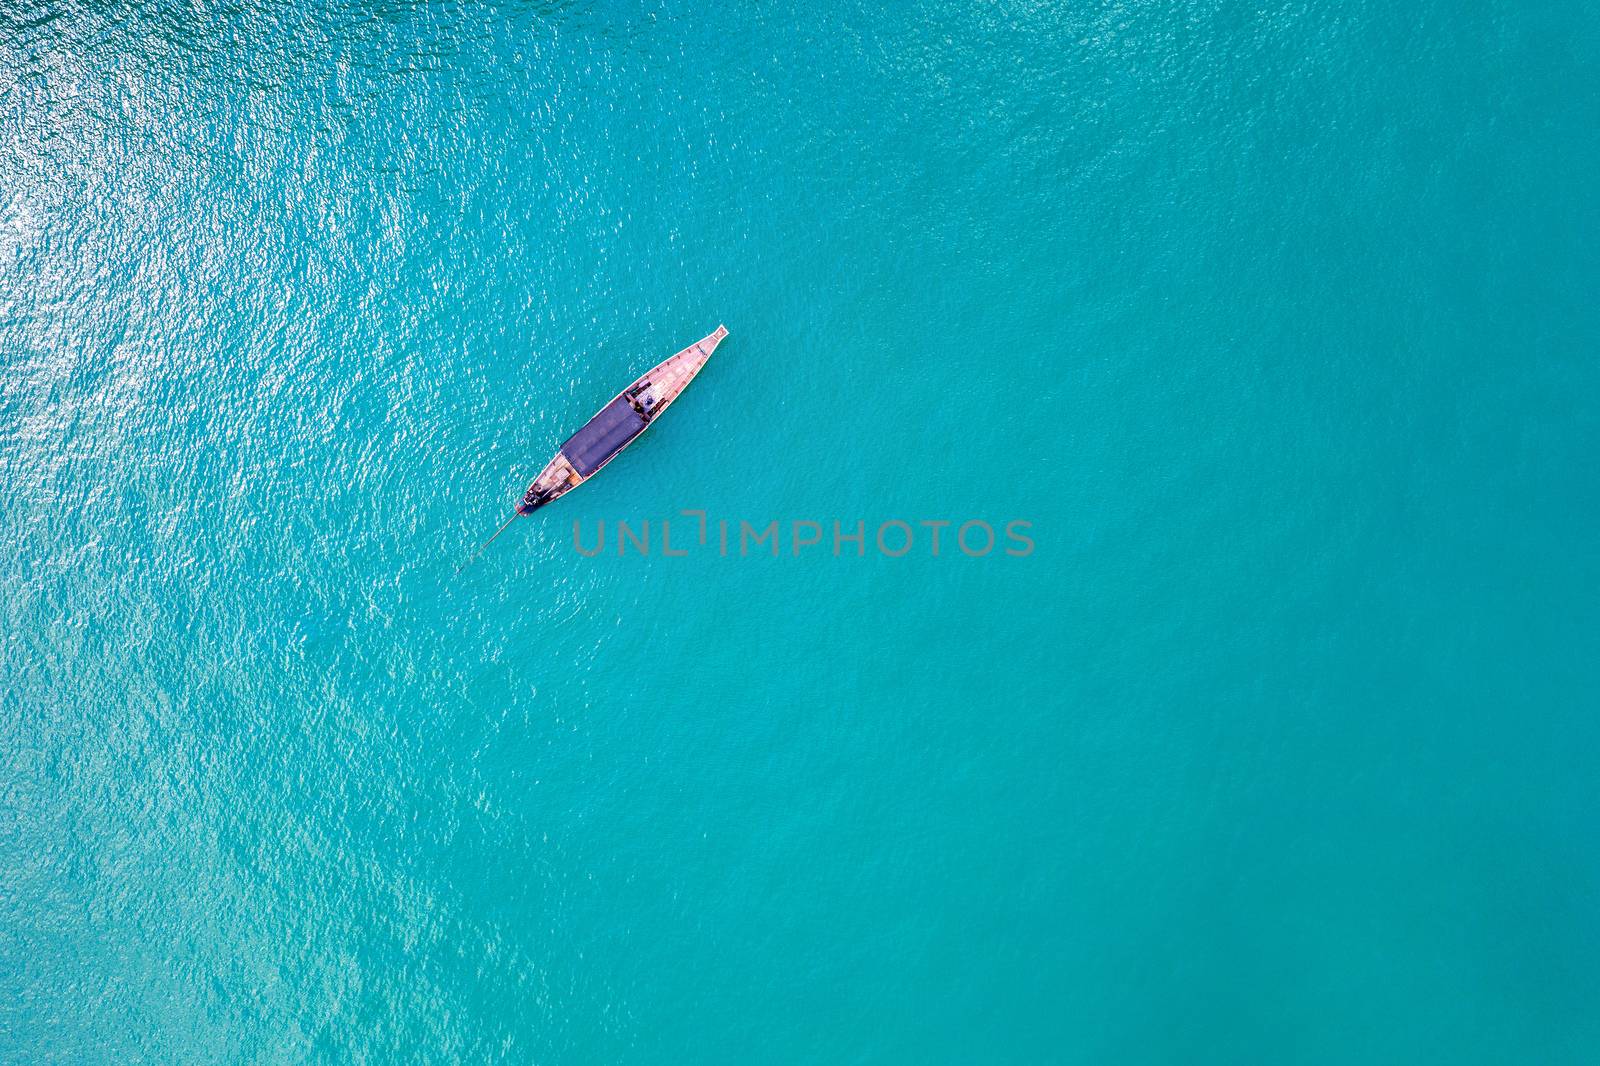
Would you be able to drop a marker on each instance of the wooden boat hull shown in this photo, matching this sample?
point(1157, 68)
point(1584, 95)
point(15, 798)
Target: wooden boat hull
point(618, 424)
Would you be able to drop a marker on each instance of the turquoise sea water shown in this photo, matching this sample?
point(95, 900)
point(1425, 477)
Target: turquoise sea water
point(1277, 323)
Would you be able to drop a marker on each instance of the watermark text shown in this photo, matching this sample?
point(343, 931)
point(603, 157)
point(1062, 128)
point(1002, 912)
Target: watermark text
point(894, 538)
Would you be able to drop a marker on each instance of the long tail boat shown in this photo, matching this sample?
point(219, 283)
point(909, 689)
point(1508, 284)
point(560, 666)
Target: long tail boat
point(612, 429)
point(618, 424)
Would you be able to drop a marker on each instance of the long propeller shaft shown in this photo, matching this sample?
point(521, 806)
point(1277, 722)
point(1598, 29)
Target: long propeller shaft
point(488, 542)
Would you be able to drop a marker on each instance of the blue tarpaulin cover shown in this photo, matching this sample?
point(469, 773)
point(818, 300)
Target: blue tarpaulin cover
point(604, 436)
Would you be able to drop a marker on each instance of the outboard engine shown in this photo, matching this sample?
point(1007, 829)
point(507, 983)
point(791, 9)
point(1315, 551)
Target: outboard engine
point(533, 501)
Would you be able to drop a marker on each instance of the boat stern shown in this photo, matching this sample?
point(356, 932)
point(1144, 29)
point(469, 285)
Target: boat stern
point(555, 480)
